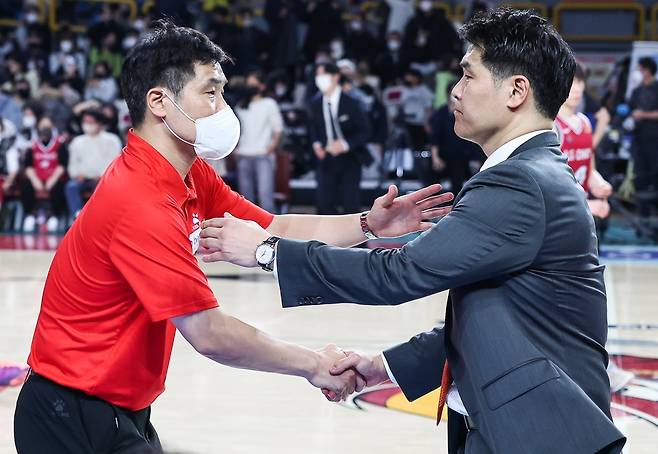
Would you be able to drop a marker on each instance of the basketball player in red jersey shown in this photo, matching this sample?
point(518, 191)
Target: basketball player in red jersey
point(578, 143)
point(575, 131)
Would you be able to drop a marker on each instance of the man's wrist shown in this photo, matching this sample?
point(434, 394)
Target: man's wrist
point(365, 226)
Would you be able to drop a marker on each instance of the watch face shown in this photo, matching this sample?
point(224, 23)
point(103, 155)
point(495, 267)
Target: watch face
point(264, 254)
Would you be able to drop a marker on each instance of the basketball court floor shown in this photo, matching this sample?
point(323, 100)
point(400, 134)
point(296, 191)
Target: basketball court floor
point(208, 408)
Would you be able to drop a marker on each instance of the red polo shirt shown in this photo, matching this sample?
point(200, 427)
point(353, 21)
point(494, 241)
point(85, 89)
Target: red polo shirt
point(123, 270)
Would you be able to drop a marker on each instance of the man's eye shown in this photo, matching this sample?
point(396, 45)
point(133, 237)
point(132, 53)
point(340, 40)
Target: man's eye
point(211, 92)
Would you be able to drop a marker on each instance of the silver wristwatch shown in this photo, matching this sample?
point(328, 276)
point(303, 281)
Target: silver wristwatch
point(266, 253)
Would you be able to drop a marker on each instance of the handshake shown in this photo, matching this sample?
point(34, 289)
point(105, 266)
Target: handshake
point(339, 373)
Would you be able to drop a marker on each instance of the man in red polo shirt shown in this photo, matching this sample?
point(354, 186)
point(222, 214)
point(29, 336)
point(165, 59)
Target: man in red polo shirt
point(125, 276)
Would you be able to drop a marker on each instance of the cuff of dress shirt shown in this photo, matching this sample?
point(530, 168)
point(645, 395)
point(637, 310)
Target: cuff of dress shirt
point(388, 370)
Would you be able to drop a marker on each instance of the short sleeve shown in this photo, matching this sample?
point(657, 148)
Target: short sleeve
point(152, 251)
point(276, 118)
point(220, 198)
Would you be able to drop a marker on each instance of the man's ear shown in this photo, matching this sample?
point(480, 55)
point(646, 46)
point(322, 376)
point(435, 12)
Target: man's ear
point(519, 91)
point(155, 98)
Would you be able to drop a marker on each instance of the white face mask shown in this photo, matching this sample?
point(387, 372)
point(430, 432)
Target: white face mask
point(394, 45)
point(216, 135)
point(337, 50)
point(323, 82)
point(90, 129)
point(29, 121)
point(66, 46)
point(425, 5)
point(129, 42)
point(635, 78)
point(280, 90)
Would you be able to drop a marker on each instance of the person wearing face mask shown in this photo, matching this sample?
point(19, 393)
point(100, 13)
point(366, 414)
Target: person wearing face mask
point(89, 156)
point(250, 43)
point(390, 64)
point(261, 126)
point(360, 44)
point(644, 105)
point(430, 36)
point(102, 85)
point(130, 40)
point(45, 169)
point(338, 130)
point(68, 51)
point(325, 25)
point(125, 277)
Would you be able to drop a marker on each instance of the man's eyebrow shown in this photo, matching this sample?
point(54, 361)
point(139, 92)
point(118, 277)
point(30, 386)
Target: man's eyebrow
point(465, 65)
point(216, 81)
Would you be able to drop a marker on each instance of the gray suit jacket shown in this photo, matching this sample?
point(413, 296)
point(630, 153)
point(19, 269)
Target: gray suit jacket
point(526, 318)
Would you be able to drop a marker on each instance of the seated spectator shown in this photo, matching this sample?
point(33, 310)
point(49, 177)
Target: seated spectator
point(89, 156)
point(102, 85)
point(45, 165)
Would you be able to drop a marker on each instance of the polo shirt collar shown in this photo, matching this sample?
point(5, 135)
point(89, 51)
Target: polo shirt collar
point(166, 176)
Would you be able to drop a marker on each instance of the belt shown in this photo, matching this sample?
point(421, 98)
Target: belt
point(470, 424)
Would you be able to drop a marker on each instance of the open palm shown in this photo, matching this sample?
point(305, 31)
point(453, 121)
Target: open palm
point(393, 216)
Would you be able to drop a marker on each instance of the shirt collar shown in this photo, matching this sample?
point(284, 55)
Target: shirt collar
point(334, 99)
point(166, 176)
point(506, 150)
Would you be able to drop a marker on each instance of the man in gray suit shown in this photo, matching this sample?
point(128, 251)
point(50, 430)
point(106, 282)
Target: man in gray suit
point(521, 356)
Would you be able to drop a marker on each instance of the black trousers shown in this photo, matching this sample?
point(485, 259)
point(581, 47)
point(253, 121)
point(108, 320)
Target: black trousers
point(457, 433)
point(339, 180)
point(54, 419)
point(57, 198)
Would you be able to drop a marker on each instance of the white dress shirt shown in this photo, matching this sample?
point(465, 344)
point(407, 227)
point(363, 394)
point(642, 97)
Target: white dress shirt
point(453, 399)
point(333, 100)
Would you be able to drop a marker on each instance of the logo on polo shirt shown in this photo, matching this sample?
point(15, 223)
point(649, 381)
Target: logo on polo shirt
point(196, 232)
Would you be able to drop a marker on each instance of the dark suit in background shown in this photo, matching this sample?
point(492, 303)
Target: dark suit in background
point(339, 177)
point(525, 322)
point(455, 151)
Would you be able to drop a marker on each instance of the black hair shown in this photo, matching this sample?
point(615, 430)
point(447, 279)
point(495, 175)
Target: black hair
point(649, 64)
point(96, 114)
point(415, 73)
point(165, 56)
point(329, 68)
point(258, 75)
point(521, 42)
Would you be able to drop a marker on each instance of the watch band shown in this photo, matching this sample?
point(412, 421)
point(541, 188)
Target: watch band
point(271, 241)
point(365, 228)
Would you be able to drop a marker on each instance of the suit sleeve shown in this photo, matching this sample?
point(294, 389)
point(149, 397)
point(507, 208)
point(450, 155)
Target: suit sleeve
point(495, 229)
point(362, 129)
point(417, 364)
point(313, 121)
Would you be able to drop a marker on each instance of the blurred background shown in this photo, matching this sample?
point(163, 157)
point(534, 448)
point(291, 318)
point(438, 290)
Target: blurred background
point(60, 59)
